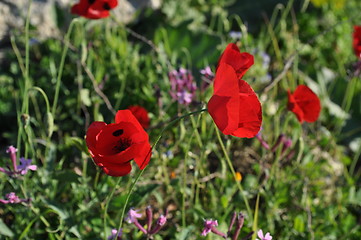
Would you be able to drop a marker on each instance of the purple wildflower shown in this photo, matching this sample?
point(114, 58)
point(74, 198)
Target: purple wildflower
point(12, 198)
point(160, 223)
point(114, 234)
point(184, 97)
point(210, 226)
point(266, 59)
point(12, 152)
point(133, 215)
point(263, 142)
point(182, 86)
point(162, 220)
point(281, 139)
point(287, 143)
point(235, 35)
point(262, 237)
point(25, 165)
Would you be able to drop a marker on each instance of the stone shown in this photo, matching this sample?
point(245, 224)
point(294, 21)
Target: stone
point(13, 14)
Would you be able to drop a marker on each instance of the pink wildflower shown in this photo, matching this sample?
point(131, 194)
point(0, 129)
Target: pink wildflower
point(12, 152)
point(262, 237)
point(208, 225)
point(133, 215)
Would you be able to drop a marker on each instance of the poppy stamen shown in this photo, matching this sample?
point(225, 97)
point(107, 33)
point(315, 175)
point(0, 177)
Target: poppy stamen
point(106, 6)
point(122, 145)
point(91, 1)
point(118, 132)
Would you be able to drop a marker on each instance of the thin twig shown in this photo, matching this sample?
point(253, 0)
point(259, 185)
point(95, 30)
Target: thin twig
point(97, 89)
point(288, 65)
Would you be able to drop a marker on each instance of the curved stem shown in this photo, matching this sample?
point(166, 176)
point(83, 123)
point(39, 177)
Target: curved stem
point(234, 173)
point(44, 96)
point(174, 121)
point(106, 208)
point(61, 67)
point(127, 200)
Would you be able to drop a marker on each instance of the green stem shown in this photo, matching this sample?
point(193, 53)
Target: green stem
point(255, 217)
point(354, 161)
point(25, 104)
point(141, 172)
point(106, 208)
point(27, 47)
point(126, 202)
point(184, 179)
point(61, 67)
point(234, 173)
point(176, 120)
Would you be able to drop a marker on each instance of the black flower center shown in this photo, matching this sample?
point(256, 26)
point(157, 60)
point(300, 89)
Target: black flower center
point(91, 1)
point(118, 132)
point(122, 145)
point(106, 6)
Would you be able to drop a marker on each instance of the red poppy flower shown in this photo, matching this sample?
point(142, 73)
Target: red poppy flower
point(357, 41)
point(141, 115)
point(234, 105)
point(94, 9)
point(304, 103)
point(113, 146)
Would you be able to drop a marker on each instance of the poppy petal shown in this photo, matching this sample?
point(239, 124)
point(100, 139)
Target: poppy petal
point(304, 103)
point(224, 111)
point(94, 9)
point(115, 137)
point(241, 62)
point(225, 81)
point(116, 170)
point(250, 112)
point(96, 14)
point(141, 114)
point(127, 116)
point(293, 107)
point(92, 132)
point(144, 157)
point(124, 156)
point(357, 41)
point(308, 101)
point(224, 104)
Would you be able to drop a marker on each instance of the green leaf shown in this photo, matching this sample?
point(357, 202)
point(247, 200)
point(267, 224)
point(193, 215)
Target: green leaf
point(77, 142)
point(50, 123)
point(185, 233)
point(4, 230)
point(224, 201)
point(63, 214)
point(299, 224)
point(84, 96)
point(28, 227)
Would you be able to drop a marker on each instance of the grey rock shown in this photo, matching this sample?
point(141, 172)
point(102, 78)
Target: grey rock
point(13, 14)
